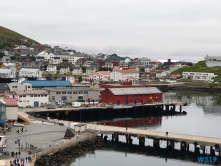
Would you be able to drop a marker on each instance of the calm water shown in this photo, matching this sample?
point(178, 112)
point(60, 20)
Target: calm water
point(203, 118)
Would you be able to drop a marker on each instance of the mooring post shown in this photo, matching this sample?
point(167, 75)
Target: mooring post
point(141, 141)
point(180, 108)
point(188, 147)
point(156, 143)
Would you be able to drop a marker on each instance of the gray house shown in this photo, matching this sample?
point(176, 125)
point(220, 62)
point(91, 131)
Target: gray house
point(90, 70)
point(71, 94)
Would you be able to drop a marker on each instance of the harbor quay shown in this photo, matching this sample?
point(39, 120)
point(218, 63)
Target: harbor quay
point(98, 113)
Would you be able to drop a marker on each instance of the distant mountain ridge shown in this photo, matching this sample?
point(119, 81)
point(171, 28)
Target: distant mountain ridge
point(9, 38)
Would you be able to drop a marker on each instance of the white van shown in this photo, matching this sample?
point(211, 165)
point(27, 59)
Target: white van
point(76, 104)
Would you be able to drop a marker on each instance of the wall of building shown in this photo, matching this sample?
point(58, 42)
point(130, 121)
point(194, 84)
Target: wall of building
point(12, 113)
point(108, 97)
point(74, 95)
point(30, 101)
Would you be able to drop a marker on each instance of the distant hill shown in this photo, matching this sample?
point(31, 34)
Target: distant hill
point(200, 67)
point(9, 38)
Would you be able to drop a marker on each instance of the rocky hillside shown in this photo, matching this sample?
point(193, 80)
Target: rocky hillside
point(9, 38)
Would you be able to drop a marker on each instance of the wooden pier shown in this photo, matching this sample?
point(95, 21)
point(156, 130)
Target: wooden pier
point(199, 142)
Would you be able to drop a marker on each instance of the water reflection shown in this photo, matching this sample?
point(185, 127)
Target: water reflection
point(130, 122)
point(211, 103)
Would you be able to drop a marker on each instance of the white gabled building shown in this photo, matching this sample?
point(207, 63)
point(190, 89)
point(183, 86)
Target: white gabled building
point(199, 76)
point(32, 98)
point(25, 72)
point(51, 69)
point(7, 73)
point(122, 75)
point(100, 75)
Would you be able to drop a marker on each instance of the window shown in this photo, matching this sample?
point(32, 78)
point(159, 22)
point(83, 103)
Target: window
point(134, 96)
point(85, 92)
point(63, 92)
point(42, 95)
point(29, 86)
point(70, 92)
point(80, 92)
point(31, 95)
point(15, 86)
point(63, 97)
point(106, 97)
point(57, 92)
point(53, 97)
point(80, 97)
point(46, 95)
point(39, 95)
point(35, 95)
point(24, 96)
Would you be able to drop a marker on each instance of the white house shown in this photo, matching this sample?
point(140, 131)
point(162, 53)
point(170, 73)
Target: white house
point(160, 74)
point(7, 73)
point(64, 70)
point(51, 69)
point(101, 75)
point(77, 70)
point(45, 55)
point(121, 75)
point(199, 76)
point(32, 98)
point(144, 61)
point(212, 61)
point(25, 72)
point(173, 67)
point(11, 109)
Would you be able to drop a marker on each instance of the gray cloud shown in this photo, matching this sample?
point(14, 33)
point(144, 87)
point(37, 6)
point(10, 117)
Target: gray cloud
point(186, 30)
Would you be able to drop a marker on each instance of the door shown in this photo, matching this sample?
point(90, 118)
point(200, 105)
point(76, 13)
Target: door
point(118, 102)
point(126, 102)
point(135, 102)
point(36, 104)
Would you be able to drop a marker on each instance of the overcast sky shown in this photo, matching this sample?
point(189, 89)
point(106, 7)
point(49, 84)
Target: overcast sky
point(158, 29)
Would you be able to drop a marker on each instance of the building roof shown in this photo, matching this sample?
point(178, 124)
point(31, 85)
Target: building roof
point(48, 83)
point(104, 72)
point(31, 92)
point(28, 70)
point(4, 71)
point(4, 86)
point(127, 71)
point(68, 133)
point(71, 89)
point(134, 91)
point(11, 102)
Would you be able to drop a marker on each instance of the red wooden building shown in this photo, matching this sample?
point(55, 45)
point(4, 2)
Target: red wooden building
point(128, 94)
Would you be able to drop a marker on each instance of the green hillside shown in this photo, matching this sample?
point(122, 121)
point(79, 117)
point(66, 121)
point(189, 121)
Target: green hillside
point(9, 38)
point(200, 67)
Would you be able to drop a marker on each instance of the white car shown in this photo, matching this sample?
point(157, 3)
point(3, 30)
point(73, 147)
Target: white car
point(16, 124)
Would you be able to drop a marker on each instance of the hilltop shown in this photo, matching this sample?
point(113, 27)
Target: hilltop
point(200, 67)
point(9, 38)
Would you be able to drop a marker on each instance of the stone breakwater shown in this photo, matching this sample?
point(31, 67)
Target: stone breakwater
point(60, 157)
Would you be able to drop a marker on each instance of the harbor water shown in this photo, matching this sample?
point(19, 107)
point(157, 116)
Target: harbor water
point(203, 118)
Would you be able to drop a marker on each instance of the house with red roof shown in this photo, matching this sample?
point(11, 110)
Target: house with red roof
point(123, 75)
point(100, 75)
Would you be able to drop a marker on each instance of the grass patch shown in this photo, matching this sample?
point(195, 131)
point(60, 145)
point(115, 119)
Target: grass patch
point(201, 67)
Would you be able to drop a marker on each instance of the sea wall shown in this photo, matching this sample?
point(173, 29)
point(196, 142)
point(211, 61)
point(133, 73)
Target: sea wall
point(57, 156)
point(216, 89)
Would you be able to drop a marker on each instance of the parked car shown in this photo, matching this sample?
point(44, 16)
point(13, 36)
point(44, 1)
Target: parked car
point(16, 124)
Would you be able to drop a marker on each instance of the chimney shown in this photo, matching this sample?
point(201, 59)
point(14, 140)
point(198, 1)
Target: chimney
point(169, 60)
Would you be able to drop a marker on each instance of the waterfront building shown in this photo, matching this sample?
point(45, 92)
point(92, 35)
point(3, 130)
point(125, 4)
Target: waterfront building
point(76, 93)
point(11, 109)
point(31, 98)
point(48, 83)
point(199, 76)
point(127, 93)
